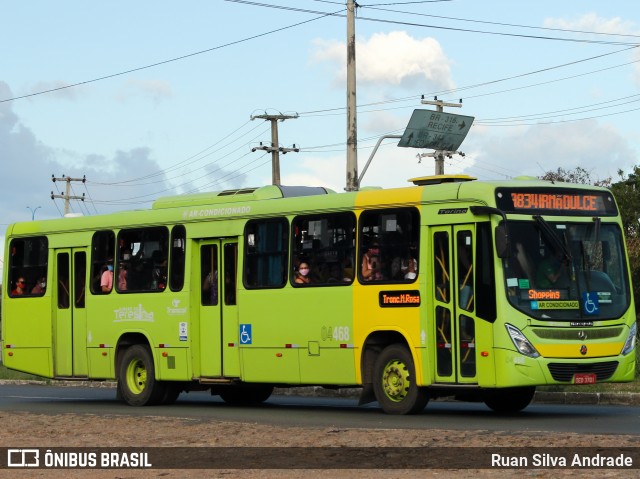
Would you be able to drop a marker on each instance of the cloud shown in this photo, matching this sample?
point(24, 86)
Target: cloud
point(591, 22)
point(534, 150)
point(28, 164)
point(56, 89)
point(391, 59)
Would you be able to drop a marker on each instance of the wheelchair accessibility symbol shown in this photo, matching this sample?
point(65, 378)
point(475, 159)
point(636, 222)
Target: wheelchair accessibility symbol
point(245, 334)
point(590, 304)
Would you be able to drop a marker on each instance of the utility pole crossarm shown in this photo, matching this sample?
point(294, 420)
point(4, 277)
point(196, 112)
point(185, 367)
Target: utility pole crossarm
point(67, 196)
point(275, 148)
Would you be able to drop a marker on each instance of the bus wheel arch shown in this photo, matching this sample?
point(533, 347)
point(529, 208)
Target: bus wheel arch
point(371, 349)
point(389, 373)
point(137, 384)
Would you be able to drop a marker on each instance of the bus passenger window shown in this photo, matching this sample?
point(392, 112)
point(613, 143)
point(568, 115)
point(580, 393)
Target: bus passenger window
point(102, 249)
point(177, 260)
point(28, 259)
point(143, 256)
point(388, 241)
point(266, 252)
point(323, 249)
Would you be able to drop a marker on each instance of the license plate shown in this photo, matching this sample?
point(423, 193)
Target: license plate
point(584, 378)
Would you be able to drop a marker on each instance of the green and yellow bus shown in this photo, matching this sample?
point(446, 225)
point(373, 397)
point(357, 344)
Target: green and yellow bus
point(481, 290)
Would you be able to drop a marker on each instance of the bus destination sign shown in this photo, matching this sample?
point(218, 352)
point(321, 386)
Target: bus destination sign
point(566, 202)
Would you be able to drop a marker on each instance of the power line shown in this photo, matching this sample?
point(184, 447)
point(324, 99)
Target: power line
point(164, 62)
point(502, 24)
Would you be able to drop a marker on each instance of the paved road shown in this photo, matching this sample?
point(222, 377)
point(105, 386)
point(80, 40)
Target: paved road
point(326, 412)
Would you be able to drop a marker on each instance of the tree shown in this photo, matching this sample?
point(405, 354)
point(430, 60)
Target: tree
point(627, 194)
point(578, 175)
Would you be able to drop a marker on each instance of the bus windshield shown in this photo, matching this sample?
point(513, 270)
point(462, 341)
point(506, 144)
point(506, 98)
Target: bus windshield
point(567, 271)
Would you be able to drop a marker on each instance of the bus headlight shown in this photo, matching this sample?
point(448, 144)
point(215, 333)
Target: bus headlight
point(631, 340)
point(521, 342)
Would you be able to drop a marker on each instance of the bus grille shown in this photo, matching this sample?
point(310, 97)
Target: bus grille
point(575, 333)
point(565, 372)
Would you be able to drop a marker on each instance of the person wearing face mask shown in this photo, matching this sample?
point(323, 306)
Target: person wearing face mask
point(19, 290)
point(40, 286)
point(106, 280)
point(302, 275)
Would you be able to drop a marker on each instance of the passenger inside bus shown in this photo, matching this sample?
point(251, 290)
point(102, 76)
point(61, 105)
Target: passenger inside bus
point(302, 275)
point(106, 280)
point(40, 286)
point(122, 276)
point(159, 274)
point(409, 267)
point(19, 288)
point(371, 263)
point(210, 289)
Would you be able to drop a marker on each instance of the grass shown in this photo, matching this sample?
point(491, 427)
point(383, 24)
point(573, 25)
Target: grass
point(6, 373)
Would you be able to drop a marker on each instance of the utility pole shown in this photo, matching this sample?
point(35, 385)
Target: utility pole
point(352, 130)
point(440, 154)
point(274, 148)
point(67, 195)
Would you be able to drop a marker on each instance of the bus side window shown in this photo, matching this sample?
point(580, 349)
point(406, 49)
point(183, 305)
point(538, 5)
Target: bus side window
point(388, 245)
point(143, 255)
point(266, 253)
point(177, 260)
point(325, 243)
point(102, 249)
point(28, 262)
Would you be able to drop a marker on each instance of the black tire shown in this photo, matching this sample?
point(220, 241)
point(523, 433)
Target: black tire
point(509, 400)
point(170, 393)
point(394, 382)
point(136, 379)
point(246, 394)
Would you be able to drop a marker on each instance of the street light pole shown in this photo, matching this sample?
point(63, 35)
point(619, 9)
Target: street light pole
point(33, 211)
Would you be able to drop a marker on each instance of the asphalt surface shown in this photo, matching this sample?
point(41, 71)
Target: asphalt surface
point(541, 397)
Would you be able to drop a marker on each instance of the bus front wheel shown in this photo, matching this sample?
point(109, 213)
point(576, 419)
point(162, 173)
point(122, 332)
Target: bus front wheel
point(136, 380)
point(394, 382)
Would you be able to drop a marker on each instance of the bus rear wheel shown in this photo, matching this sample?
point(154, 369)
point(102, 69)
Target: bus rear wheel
point(394, 382)
point(136, 380)
point(509, 400)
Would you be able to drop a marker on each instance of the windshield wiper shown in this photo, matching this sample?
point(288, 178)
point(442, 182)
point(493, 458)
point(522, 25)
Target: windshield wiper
point(553, 236)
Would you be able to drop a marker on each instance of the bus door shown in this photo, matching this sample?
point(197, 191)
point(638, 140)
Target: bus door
point(454, 294)
point(70, 317)
point(217, 274)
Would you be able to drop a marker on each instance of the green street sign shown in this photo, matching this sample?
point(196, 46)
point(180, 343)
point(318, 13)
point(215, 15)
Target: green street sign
point(436, 130)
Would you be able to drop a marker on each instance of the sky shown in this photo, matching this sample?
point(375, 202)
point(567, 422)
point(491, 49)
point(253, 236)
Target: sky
point(148, 99)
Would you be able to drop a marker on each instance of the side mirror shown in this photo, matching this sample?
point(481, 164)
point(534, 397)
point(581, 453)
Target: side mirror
point(503, 244)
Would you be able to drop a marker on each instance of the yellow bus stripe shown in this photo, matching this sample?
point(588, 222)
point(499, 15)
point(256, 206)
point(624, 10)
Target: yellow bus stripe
point(573, 350)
